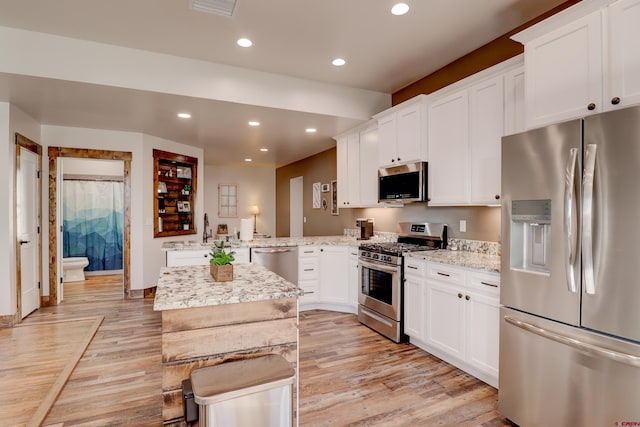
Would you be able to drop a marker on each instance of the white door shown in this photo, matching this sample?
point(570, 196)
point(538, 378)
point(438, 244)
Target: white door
point(27, 209)
point(295, 207)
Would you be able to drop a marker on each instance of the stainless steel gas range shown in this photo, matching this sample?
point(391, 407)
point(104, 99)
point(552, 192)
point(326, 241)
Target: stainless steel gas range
point(381, 278)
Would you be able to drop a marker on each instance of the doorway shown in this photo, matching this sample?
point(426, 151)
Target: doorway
point(296, 213)
point(55, 214)
point(28, 214)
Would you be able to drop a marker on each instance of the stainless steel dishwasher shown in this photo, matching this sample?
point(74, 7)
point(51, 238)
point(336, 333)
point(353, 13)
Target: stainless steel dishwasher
point(282, 260)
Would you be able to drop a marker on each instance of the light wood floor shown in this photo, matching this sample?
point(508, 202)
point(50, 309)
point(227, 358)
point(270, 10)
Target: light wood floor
point(349, 375)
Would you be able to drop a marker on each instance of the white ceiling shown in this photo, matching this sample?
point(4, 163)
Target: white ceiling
point(295, 38)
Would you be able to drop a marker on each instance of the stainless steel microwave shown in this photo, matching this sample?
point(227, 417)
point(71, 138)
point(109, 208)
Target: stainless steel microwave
point(403, 183)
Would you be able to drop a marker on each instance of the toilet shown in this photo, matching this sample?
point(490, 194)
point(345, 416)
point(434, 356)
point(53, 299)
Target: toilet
point(73, 268)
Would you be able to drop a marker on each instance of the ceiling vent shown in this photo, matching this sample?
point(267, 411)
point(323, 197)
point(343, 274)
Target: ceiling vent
point(220, 7)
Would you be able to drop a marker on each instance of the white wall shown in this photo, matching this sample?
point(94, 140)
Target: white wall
point(154, 258)
point(256, 186)
point(97, 167)
point(12, 120)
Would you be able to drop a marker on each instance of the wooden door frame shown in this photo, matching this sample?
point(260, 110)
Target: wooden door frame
point(24, 142)
point(54, 154)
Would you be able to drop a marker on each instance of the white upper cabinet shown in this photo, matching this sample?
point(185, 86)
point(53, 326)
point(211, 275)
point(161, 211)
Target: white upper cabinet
point(449, 150)
point(623, 74)
point(486, 124)
point(357, 167)
point(582, 61)
point(514, 101)
point(465, 135)
point(402, 133)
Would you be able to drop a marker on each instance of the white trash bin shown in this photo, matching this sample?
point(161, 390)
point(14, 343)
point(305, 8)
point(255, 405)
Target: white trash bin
point(252, 392)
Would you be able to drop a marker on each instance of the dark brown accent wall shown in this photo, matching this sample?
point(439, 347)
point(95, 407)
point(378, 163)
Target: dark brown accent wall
point(318, 168)
point(490, 54)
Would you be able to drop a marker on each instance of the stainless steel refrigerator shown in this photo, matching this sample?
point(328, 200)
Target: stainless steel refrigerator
point(570, 273)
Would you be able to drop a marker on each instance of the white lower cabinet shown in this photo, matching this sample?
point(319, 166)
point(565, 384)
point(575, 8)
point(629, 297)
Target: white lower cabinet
point(353, 277)
point(200, 256)
point(324, 275)
point(453, 313)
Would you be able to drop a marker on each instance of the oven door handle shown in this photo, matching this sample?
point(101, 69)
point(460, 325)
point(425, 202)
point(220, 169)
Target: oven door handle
point(380, 267)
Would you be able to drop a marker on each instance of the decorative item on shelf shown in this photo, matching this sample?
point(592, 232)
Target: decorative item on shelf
point(186, 189)
point(222, 229)
point(183, 172)
point(186, 223)
point(255, 210)
point(220, 265)
point(184, 206)
point(162, 187)
point(161, 207)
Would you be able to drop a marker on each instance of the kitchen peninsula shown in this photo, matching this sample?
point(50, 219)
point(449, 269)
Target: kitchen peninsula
point(206, 323)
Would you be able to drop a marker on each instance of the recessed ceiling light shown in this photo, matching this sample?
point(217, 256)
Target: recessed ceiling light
point(254, 123)
point(244, 42)
point(310, 130)
point(400, 9)
point(338, 62)
point(184, 115)
point(264, 149)
point(248, 160)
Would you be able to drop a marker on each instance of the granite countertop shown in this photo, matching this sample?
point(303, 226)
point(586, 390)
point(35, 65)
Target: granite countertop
point(277, 241)
point(193, 286)
point(479, 261)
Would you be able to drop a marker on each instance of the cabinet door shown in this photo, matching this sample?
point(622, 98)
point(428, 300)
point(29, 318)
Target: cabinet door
point(409, 134)
point(388, 139)
point(334, 266)
point(624, 56)
point(514, 101)
point(353, 172)
point(342, 172)
point(353, 277)
point(445, 321)
point(241, 254)
point(414, 298)
point(483, 332)
point(564, 72)
point(449, 150)
point(369, 167)
point(486, 130)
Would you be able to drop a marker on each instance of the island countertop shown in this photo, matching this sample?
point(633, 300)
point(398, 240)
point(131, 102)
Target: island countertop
point(193, 286)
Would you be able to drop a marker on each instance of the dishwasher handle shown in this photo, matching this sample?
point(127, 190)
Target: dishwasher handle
point(273, 251)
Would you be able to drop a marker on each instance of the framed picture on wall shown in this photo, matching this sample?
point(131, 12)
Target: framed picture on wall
point(334, 198)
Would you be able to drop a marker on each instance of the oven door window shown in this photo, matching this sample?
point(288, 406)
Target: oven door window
point(377, 285)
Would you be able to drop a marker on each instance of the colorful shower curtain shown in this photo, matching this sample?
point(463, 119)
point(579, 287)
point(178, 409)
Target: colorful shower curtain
point(93, 222)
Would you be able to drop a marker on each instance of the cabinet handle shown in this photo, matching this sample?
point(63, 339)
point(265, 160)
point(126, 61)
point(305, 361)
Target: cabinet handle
point(206, 255)
point(467, 297)
point(493, 285)
point(398, 158)
point(497, 196)
point(443, 274)
point(591, 107)
point(412, 267)
point(393, 160)
point(308, 269)
point(459, 295)
point(615, 100)
point(321, 250)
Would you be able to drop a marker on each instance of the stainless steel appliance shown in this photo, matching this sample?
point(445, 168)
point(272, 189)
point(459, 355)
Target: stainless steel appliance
point(570, 274)
point(403, 183)
point(282, 260)
point(365, 227)
point(380, 268)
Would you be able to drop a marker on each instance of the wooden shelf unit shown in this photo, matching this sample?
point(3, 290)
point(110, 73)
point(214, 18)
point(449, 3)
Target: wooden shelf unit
point(173, 205)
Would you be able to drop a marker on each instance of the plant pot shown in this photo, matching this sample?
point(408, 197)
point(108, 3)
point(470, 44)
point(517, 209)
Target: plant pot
point(221, 273)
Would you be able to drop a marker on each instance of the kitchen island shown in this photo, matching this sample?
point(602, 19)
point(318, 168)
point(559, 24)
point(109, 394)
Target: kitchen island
point(206, 323)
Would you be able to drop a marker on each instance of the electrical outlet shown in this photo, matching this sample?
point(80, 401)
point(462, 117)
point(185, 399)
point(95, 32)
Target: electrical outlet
point(304, 219)
point(463, 226)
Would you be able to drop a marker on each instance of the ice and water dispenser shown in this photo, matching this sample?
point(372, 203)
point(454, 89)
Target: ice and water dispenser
point(531, 235)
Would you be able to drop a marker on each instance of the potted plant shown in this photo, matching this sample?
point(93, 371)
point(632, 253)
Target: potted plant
point(186, 189)
point(220, 263)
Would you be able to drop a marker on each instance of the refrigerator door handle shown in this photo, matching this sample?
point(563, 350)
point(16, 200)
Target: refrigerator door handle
point(589, 349)
point(587, 217)
point(569, 195)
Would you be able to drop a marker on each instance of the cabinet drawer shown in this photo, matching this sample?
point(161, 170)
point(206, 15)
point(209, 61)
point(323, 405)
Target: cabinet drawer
point(308, 251)
point(311, 290)
point(414, 267)
point(180, 258)
point(307, 268)
point(487, 283)
point(445, 273)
